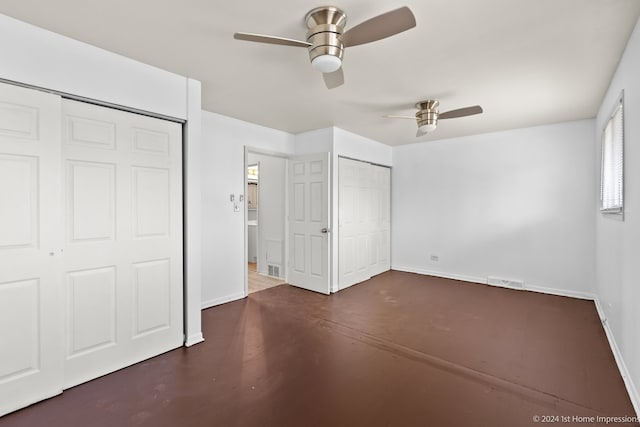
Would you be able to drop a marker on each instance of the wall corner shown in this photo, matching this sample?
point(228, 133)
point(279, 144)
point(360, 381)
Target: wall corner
point(193, 213)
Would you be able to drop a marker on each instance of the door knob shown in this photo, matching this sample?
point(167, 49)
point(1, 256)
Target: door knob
point(324, 230)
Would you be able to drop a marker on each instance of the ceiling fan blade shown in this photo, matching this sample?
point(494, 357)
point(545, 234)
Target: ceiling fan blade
point(380, 27)
point(461, 112)
point(335, 79)
point(270, 39)
point(400, 117)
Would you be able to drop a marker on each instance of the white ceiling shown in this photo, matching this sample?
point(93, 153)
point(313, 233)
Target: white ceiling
point(526, 62)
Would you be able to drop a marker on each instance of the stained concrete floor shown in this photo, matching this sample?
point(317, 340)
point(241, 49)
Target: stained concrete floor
point(398, 350)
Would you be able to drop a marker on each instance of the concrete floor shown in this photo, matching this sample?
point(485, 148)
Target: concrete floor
point(398, 350)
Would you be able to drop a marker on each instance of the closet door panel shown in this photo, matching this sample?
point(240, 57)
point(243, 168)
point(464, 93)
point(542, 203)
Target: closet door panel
point(354, 243)
point(31, 328)
point(381, 256)
point(123, 246)
point(90, 242)
point(364, 221)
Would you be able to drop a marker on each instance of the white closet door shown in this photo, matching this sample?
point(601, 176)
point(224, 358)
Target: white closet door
point(353, 246)
point(381, 255)
point(30, 319)
point(122, 268)
point(363, 221)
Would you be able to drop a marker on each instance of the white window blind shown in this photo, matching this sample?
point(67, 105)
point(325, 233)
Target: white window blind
point(611, 177)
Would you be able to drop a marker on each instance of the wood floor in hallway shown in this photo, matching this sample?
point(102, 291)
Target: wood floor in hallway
point(398, 350)
point(260, 282)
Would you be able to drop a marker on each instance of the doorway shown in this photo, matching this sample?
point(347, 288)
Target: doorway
point(292, 227)
point(266, 215)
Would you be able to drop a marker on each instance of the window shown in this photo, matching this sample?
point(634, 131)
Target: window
point(611, 174)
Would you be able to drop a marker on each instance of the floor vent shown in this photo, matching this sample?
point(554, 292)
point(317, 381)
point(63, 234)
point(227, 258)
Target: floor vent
point(505, 283)
point(274, 270)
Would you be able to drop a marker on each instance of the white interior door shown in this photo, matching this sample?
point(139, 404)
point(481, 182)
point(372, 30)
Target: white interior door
point(363, 221)
point(122, 264)
point(309, 222)
point(31, 328)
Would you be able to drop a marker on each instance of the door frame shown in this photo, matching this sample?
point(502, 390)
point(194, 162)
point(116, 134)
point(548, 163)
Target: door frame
point(332, 220)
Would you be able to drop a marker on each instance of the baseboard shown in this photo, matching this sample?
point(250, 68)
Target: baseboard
point(560, 292)
point(193, 339)
point(483, 281)
point(222, 300)
point(622, 367)
point(472, 279)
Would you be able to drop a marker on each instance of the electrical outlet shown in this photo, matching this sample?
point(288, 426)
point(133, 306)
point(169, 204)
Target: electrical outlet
point(434, 258)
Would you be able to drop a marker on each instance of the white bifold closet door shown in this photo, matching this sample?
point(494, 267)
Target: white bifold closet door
point(90, 242)
point(364, 214)
point(122, 263)
point(31, 310)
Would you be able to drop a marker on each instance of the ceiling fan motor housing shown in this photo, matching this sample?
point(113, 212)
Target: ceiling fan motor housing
point(427, 113)
point(326, 25)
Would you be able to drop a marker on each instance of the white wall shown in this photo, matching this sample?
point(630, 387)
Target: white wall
point(224, 141)
point(271, 210)
point(315, 141)
point(36, 57)
point(618, 242)
point(223, 173)
point(516, 204)
point(349, 144)
point(48, 60)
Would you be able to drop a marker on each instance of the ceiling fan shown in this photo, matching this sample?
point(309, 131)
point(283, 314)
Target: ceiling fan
point(428, 115)
point(327, 39)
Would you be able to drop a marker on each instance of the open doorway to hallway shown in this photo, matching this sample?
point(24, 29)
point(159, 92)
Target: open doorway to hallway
point(266, 221)
point(259, 282)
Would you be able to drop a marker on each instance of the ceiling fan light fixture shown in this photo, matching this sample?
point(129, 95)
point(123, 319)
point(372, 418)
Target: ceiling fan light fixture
point(327, 38)
point(428, 128)
point(326, 63)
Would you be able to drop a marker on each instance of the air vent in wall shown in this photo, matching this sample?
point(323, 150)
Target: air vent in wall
point(505, 283)
point(274, 270)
